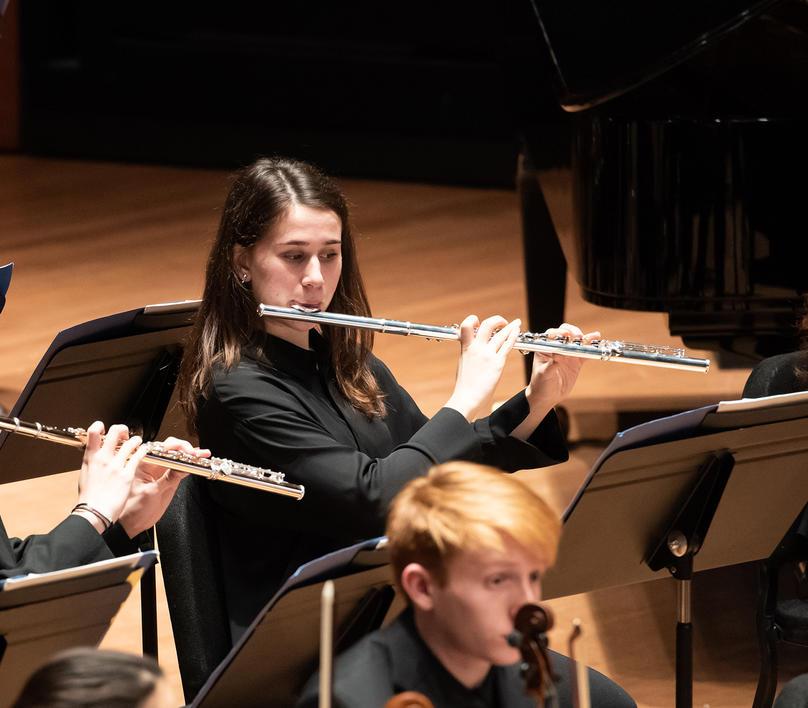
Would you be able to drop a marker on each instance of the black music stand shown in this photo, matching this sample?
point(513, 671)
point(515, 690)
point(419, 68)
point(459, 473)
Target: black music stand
point(280, 650)
point(119, 369)
point(706, 488)
point(46, 613)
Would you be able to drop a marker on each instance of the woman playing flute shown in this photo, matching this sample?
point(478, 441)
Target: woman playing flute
point(317, 404)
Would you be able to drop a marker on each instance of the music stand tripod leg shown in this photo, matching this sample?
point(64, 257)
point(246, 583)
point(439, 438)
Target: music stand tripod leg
point(144, 418)
point(148, 604)
point(675, 551)
point(684, 636)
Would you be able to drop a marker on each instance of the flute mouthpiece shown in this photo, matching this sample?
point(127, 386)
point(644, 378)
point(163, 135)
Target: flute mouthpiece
point(302, 308)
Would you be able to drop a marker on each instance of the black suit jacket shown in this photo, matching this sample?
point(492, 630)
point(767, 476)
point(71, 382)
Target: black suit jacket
point(73, 542)
point(280, 408)
point(396, 659)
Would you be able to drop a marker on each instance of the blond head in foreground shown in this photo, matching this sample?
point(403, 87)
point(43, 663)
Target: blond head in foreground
point(464, 507)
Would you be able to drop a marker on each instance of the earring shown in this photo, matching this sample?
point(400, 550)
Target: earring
point(244, 278)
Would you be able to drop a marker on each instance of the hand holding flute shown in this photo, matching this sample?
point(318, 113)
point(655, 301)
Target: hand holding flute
point(484, 348)
point(551, 380)
point(153, 488)
point(117, 484)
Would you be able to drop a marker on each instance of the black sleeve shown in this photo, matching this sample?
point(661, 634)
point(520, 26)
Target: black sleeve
point(73, 542)
point(120, 544)
point(337, 476)
point(257, 417)
point(545, 446)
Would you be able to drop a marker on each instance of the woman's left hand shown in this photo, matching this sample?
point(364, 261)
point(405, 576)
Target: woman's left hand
point(553, 376)
point(153, 489)
point(551, 380)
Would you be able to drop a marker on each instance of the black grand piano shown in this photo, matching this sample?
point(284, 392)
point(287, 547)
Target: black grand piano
point(690, 168)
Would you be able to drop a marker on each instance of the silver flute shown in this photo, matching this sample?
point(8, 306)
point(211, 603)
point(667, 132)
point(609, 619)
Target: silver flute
point(601, 349)
point(212, 468)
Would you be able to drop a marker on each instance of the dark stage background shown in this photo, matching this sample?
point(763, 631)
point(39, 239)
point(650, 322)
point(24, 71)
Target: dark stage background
point(433, 92)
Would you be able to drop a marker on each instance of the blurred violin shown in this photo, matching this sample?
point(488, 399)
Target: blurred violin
point(529, 635)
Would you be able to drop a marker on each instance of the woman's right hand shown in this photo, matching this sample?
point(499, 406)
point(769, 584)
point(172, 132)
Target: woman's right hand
point(482, 360)
point(107, 470)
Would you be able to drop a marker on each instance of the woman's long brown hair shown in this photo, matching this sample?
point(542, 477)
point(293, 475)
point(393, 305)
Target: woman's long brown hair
point(228, 321)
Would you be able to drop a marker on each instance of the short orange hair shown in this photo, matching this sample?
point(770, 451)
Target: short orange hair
point(461, 506)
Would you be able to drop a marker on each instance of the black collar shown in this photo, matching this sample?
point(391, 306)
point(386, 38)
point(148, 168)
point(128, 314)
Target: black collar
point(285, 356)
point(415, 667)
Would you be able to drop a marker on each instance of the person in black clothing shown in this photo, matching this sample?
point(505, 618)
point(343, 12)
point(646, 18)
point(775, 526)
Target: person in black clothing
point(317, 404)
point(468, 548)
point(120, 496)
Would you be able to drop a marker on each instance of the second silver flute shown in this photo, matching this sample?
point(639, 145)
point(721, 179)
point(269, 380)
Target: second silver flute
point(602, 349)
point(213, 468)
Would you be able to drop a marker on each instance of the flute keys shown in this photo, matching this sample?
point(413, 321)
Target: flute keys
point(220, 468)
point(610, 350)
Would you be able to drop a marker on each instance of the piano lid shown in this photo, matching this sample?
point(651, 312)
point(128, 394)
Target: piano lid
point(602, 50)
point(689, 190)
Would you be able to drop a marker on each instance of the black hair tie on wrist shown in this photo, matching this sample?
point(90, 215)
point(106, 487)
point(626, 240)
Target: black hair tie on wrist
point(86, 507)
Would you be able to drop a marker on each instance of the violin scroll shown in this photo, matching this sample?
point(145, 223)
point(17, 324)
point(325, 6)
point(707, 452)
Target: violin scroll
point(529, 636)
point(533, 620)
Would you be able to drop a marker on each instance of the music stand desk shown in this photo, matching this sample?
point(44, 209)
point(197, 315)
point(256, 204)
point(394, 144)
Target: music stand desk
point(43, 614)
point(706, 488)
point(276, 655)
point(119, 369)
point(644, 475)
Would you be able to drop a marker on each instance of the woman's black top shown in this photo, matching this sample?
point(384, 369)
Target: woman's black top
point(283, 410)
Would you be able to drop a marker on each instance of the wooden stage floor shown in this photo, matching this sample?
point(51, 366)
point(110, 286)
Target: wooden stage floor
point(91, 239)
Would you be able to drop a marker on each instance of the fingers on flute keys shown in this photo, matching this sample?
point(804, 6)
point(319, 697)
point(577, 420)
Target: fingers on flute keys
point(168, 445)
point(107, 469)
point(566, 333)
point(571, 333)
point(505, 336)
point(494, 331)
